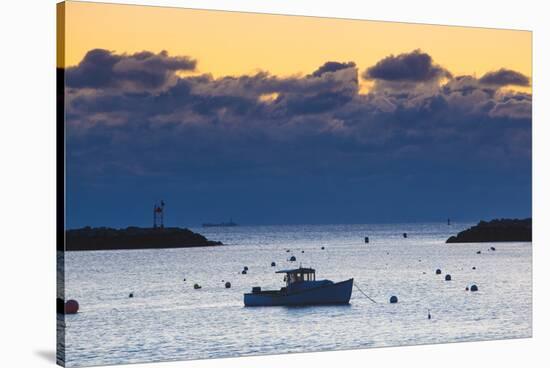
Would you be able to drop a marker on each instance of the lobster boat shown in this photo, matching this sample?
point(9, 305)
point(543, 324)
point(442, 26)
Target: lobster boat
point(301, 289)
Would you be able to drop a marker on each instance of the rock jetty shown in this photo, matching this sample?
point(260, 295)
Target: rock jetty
point(500, 230)
point(105, 238)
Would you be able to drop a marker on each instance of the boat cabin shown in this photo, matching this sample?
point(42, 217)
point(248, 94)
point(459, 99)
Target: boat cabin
point(298, 275)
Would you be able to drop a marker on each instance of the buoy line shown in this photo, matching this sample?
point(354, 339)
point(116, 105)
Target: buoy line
point(365, 294)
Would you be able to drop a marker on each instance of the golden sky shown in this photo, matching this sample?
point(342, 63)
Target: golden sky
point(230, 43)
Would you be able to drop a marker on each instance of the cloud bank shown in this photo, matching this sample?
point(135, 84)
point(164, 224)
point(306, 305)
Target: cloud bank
point(134, 116)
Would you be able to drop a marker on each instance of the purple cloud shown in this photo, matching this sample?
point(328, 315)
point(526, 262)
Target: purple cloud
point(505, 77)
point(102, 69)
point(415, 66)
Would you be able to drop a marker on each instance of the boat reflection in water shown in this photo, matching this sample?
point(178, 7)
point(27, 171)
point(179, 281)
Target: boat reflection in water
point(301, 289)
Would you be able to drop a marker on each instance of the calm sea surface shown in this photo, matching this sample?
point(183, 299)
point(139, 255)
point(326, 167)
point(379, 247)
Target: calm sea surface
point(168, 320)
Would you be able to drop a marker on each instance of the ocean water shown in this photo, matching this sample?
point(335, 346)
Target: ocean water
point(168, 320)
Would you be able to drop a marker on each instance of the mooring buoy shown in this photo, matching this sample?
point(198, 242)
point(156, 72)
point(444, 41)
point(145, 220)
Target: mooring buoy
point(493, 248)
point(292, 259)
point(245, 268)
point(273, 264)
point(366, 239)
point(243, 272)
point(447, 277)
point(473, 268)
point(197, 286)
point(438, 272)
point(404, 235)
point(227, 285)
point(473, 287)
point(478, 252)
point(71, 306)
point(393, 299)
point(131, 295)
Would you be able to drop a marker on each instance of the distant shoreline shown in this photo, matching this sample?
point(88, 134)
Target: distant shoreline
point(105, 238)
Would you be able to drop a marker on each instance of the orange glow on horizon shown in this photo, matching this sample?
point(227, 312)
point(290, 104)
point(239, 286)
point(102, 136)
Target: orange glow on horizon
point(231, 43)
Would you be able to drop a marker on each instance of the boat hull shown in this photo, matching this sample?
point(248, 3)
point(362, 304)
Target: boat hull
point(336, 293)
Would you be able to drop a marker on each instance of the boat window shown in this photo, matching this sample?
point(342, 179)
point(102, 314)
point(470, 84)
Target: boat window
point(293, 277)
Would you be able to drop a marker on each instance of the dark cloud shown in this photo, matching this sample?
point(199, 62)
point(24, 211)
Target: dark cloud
point(415, 66)
point(143, 70)
point(512, 107)
point(317, 103)
point(505, 77)
point(332, 66)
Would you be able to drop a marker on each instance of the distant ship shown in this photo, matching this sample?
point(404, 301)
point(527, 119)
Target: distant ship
point(220, 224)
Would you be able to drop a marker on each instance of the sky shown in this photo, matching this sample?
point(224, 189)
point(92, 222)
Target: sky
point(270, 119)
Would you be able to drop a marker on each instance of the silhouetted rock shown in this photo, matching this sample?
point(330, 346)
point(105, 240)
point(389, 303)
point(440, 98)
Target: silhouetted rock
point(104, 238)
point(502, 230)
